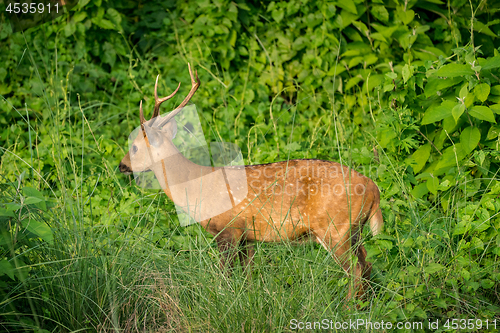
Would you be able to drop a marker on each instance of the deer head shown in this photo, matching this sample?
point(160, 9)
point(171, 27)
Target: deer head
point(154, 141)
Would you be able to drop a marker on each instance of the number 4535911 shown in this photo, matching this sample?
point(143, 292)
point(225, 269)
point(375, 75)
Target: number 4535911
point(470, 324)
point(32, 8)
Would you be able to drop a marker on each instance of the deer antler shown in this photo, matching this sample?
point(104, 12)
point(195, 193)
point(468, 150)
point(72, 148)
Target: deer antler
point(195, 83)
point(141, 114)
point(158, 101)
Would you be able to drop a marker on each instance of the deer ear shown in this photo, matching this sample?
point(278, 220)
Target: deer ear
point(154, 137)
point(171, 127)
point(174, 129)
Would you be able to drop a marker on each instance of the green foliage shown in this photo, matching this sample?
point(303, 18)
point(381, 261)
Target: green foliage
point(406, 92)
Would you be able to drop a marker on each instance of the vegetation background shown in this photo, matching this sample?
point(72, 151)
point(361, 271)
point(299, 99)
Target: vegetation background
point(406, 92)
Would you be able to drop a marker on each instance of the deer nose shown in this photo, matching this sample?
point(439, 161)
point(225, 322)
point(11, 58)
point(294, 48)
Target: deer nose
point(124, 169)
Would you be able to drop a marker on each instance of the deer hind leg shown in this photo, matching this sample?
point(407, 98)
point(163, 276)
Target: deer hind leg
point(342, 248)
point(364, 269)
point(227, 243)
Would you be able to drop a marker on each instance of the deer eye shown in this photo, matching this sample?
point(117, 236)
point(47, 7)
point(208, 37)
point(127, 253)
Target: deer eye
point(134, 149)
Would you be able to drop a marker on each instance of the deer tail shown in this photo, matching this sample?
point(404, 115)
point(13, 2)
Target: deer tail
point(376, 220)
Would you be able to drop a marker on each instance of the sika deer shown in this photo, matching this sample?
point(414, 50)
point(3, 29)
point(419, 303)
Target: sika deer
point(281, 201)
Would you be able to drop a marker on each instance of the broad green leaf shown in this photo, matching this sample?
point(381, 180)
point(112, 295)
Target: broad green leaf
point(278, 14)
point(476, 243)
point(69, 29)
point(441, 303)
point(434, 114)
point(293, 146)
point(483, 28)
point(335, 70)
point(482, 113)
point(461, 228)
point(435, 84)
point(372, 251)
point(491, 63)
point(301, 42)
point(480, 225)
point(109, 55)
point(347, 5)
point(114, 16)
point(352, 82)
point(457, 111)
point(432, 184)
point(469, 138)
point(79, 16)
point(361, 27)
point(32, 192)
point(493, 132)
point(385, 244)
point(385, 136)
point(373, 81)
point(12, 206)
point(6, 268)
point(482, 91)
point(420, 157)
point(355, 61)
point(6, 212)
point(433, 268)
point(464, 92)
point(40, 229)
point(420, 190)
point(454, 70)
point(495, 90)
point(380, 13)
point(105, 24)
point(405, 16)
point(249, 96)
point(392, 75)
point(465, 274)
point(232, 39)
point(31, 200)
point(487, 283)
point(407, 72)
point(450, 125)
point(469, 101)
point(495, 108)
point(451, 156)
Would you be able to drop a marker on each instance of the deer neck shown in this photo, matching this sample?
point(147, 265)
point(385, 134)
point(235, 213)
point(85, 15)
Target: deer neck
point(172, 170)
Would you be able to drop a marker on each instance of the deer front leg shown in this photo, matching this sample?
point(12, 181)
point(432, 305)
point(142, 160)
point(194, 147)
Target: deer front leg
point(246, 254)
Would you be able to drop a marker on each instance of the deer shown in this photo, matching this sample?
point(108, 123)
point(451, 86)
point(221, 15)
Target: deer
point(283, 201)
